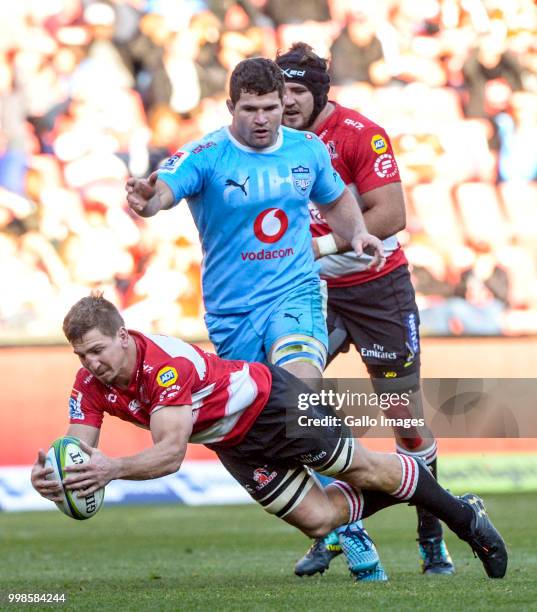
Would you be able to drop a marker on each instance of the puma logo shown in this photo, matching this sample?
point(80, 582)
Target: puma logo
point(287, 315)
point(241, 186)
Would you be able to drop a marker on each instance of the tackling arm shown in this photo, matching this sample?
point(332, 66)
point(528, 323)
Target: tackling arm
point(384, 214)
point(345, 218)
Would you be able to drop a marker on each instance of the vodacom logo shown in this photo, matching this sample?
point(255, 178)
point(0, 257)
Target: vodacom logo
point(270, 225)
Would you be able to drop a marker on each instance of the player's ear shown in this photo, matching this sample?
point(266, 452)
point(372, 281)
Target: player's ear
point(123, 336)
point(230, 106)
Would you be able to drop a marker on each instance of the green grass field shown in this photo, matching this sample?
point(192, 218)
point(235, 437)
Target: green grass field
point(239, 558)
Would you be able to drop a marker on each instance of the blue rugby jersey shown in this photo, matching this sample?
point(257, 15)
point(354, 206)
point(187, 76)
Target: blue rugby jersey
point(251, 210)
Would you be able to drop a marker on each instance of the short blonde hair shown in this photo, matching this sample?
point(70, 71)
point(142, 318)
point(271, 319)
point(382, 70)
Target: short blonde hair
point(89, 313)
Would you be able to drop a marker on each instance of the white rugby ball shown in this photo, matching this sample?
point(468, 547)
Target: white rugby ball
point(63, 452)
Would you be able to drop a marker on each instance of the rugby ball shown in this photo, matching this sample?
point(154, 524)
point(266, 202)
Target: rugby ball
point(63, 452)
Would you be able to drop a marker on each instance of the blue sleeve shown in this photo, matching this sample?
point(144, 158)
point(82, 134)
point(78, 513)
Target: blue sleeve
point(184, 173)
point(328, 185)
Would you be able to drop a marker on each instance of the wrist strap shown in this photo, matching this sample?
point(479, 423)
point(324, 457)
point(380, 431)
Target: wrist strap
point(326, 245)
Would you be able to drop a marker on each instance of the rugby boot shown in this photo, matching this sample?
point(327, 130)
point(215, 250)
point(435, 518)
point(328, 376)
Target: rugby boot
point(484, 539)
point(435, 558)
point(319, 555)
point(358, 548)
point(377, 574)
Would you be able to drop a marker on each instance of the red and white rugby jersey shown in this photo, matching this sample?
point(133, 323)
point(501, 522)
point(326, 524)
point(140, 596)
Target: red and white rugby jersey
point(362, 153)
point(226, 396)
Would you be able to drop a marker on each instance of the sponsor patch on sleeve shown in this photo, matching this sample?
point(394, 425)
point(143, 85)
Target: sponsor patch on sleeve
point(385, 166)
point(172, 163)
point(166, 376)
point(75, 405)
point(378, 144)
point(205, 145)
point(170, 393)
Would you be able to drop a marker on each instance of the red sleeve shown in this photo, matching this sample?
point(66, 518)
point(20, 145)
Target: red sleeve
point(173, 383)
point(85, 402)
point(371, 160)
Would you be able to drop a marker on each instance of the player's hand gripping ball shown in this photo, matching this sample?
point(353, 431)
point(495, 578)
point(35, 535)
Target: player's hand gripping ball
point(66, 451)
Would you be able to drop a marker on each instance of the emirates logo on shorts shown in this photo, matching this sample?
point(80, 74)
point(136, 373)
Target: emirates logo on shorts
point(270, 225)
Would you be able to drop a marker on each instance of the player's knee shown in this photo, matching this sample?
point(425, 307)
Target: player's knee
point(318, 526)
point(364, 469)
point(316, 515)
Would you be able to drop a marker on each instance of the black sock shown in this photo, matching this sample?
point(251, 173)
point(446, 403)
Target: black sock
point(428, 525)
point(376, 500)
point(418, 487)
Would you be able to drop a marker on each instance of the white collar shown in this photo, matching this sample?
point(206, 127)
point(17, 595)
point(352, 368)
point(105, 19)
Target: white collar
point(242, 147)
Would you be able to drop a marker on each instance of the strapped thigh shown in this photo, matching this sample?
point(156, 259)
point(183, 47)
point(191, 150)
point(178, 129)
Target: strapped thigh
point(298, 348)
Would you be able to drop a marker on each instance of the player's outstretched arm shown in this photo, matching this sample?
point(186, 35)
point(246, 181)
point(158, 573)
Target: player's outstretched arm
point(51, 489)
point(146, 197)
point(171, 427)
point(345, 218)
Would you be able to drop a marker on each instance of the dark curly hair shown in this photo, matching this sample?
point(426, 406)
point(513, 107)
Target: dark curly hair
point(256, 75)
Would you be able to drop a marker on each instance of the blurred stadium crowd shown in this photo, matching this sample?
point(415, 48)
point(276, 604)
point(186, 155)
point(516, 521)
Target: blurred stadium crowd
point(92, 91)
